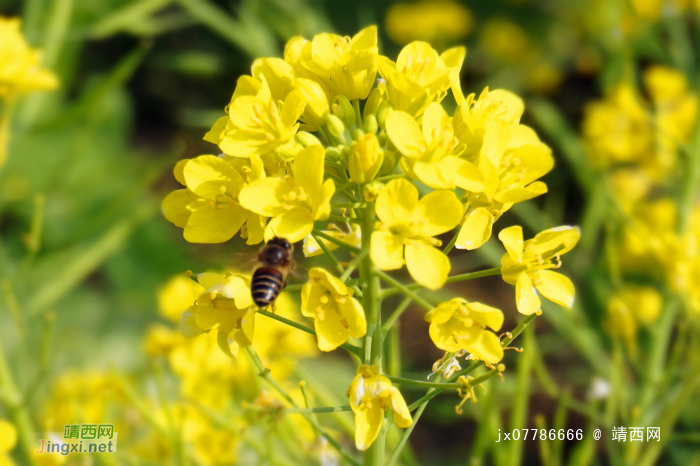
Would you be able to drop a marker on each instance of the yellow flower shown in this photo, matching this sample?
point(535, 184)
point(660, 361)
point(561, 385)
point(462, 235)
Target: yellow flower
point(20, 65)
point(8, 440)
point(176, 295)
point(209, 209)
point(428, 21)
point(295, 202)
point(509, 157)
point(370, 395)
point(526, 265)
point(345, 66)
point(365, 159)
point(226, 306)
point(257, 123)
point(336, 314)
point(353, 238)
point(503, 39)
point(411, 224)
point(420, 76)
point(459, 325)
point(431, 155)
point(630, 307)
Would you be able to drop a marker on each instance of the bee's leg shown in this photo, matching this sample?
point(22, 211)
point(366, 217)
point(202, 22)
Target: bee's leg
point(284, 284)
point(273, 306)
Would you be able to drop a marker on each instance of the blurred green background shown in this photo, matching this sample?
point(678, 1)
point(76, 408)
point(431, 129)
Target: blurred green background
point(84, 247)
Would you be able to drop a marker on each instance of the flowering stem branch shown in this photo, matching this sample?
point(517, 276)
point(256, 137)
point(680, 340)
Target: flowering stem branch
point(265, 374)
point(421, 383)
point(352, 266)
point(340, 218)
point(390, 177)
point(335, 241)
point(347, 346)
point(395, 315)
point(401, 288)
point(455, 278)
point(452, 242)
point(330, 409)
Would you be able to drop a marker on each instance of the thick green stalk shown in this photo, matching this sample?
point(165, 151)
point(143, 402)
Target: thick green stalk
point(372, 344)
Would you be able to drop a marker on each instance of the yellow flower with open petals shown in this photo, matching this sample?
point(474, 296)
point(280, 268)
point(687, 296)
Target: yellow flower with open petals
point(459, 325)
point(226, 306)
point(209, 209)
point(353, 237)
point(295, 202)
point(336, 314)
point(526, 265)
point(430, 155)
point(410, 224)
point(20, 65)
point(370, 395)
point(420, 76)
point(345, 66)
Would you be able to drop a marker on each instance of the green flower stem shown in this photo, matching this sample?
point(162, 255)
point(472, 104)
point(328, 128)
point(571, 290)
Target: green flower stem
point(352, 266)
point(347, 346)
point(265, 374)
point(330, 409)
point(420, 383)
point(17, 411)
point(389, 323)
point(452, 242)
point(145, 411)
point(455, 278)
point(340, 218)
point(336, 263)
point(349, 205)
point(358, 114)
point(372, 344)
point(402, 289)
point(335, 241)
point(407, 433)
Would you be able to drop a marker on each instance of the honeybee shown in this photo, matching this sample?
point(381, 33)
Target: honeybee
point(274, 264)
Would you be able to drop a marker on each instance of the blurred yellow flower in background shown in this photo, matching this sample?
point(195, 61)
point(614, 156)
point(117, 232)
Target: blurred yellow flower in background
point(631, 307)
point(371, 394)
point(410, 224)
point(430, 21)
point(460, 325)
point(526, 265)
point(20, 65)
point(8, 440)
point(503, 39)
point(336, 314)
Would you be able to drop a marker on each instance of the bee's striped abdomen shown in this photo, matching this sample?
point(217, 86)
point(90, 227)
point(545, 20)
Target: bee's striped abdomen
point(266, 285)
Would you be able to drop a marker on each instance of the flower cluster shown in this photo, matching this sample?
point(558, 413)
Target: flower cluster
point(336, 131)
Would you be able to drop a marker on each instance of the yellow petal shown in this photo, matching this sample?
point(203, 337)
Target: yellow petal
point(386, 250)
point(175, 204)
point(396, 202)
point(209, 279)
point(209, 176)
point(558, 240)
point(467, 176)
point(514, 105)
point(476, 229)
point(330, 331)
point(443, 312)
point(256, 229)
point(214, 225)
point(367, 425)
point(178, 171)
point(293, 107)
point(244, 336)
point(278, 74)
point(405, 134)
point(227, 344)
point(512, 239)
point(511, 196)
point(216, 132)
point(402, 417)
point(487, 347)
point(328, 281)
point(293, 225)
point(353, 313)
point(486, 315)
point(556, 287)
point(434, 120)
point(308, 169)
point(438, 212)
point(521, 135)
point(426, 264)
point(496, 141)
point(443, 338)
point(526, 298)
point(264, 196)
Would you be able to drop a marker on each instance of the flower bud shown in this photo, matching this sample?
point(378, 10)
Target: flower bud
point(316, 110)
point(307, 139)
point(365, 159)
point(371, 125)
point(373, 101)
point(333, 153)
point(371, 190)
point(342, 108)
point(335, 125)
point(382, 113)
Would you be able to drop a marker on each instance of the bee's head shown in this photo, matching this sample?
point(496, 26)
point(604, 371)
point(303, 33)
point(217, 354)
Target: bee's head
point(281, 242)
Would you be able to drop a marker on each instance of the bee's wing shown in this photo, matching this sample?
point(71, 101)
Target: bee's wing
point(243, 261)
